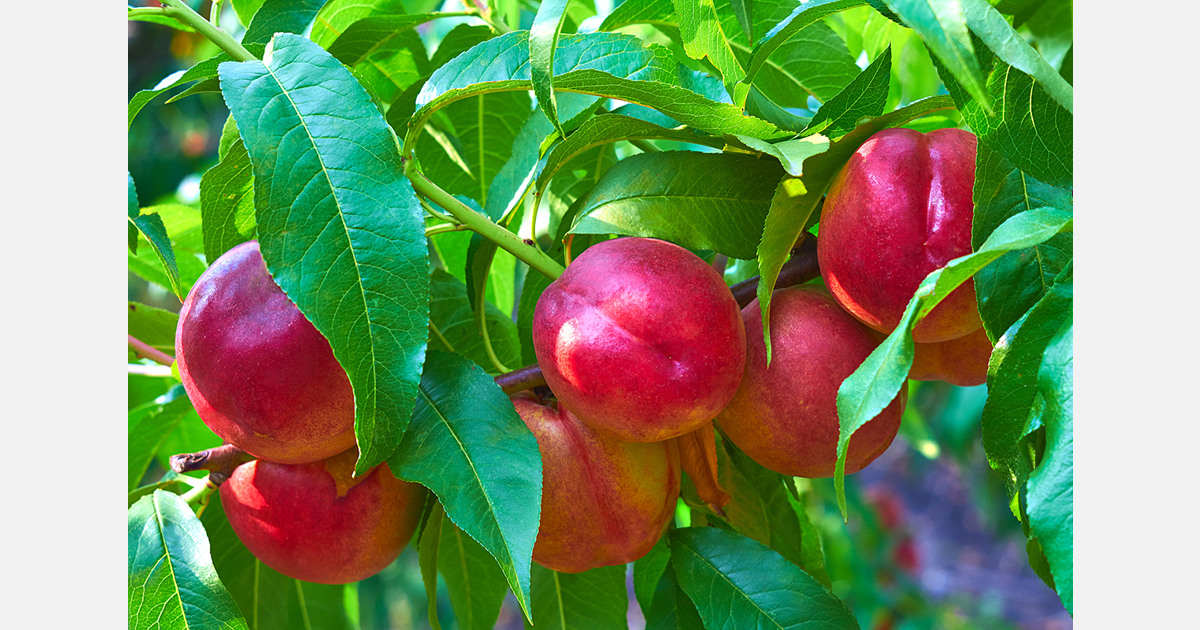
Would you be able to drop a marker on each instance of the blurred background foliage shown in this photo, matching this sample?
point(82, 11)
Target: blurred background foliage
point(930, 541)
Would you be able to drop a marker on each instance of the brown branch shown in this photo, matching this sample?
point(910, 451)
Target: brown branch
point(800, 268)
point(148, 351)
point(219, 462)
point(527, 377)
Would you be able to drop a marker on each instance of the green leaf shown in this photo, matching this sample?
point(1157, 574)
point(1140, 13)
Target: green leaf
point(509, 186)
point(647, 571)
point(268, 599)
point(801, 17)
point(877, 381)
point(150, 226)
point(456, 332)
point(340, 228)
point(535, 284)
point(336, 16)
point(998, 35)
point(736, 582)
point(246, 9)
point(814, 62)
point(670, 608)
point(1009, 287)
point(467, 444)
point(942, 25)
point(280, 16)
point(760, 508)
point(149, 426)
point(543, 40)
point(603, 64)
point(427, 557)
point(1051, 491)
point(783, 226)
point(133, 214)
point(172, 582)
point(482, 132)
point(1013, 383)
point(609, 128)
point(154, 326)
point(715, 201)
point(592, 599)
point(372, 34)
point(703, 38)
point(864, 97)
point(790, 153)
point(1027, 127)
point(473, 579)
point(227, 202)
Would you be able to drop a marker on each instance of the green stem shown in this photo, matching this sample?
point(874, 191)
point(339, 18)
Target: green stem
point(482, 225)
point(644, 145)
point(214, 13)
point(442, 228)
point(180, 11)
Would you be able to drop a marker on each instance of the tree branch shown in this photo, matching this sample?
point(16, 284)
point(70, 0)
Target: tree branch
point(219, 462)
point(148, 351)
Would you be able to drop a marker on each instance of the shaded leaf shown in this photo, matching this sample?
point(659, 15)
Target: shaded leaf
point(149, 426)
point(336, 16)
point(172, 582)
point(457, 332)
point(280, 16)
point(724, 199)
point(339, 226)
point(227, 202)
point(154, 326)
point(133, 213)
point(592, 599)
point(1009, 287)
point(468, 445)
point(736, 582)
point(802, 16)
point(998, 35)
point(473, 579)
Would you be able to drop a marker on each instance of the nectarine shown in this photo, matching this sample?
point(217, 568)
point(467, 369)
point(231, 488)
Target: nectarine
point(604, 502)
point(898, 210)
point(785, 416)
point(640, 339)
point(258, 373)
point(314, 522)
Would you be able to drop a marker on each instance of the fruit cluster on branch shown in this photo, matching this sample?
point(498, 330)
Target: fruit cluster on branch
point(639, 342)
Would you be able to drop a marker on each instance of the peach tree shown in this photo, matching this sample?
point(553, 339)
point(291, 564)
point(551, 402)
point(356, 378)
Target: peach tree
point(433, 191)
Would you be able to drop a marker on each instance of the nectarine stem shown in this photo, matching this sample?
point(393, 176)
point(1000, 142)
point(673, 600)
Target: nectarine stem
point(148, 351)
point(525, 378)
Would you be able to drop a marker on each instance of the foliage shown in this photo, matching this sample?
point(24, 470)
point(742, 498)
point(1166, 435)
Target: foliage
point(414, 206)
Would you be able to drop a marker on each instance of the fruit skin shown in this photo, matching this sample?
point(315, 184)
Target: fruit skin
point(785, 417)
point(962, 361)
point(604, 502)
point(258, 373)
point(316, 523)
point(640, 339)
point(899, 209)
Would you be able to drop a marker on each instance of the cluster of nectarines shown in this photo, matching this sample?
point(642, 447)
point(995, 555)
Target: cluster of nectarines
point(640, 341)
